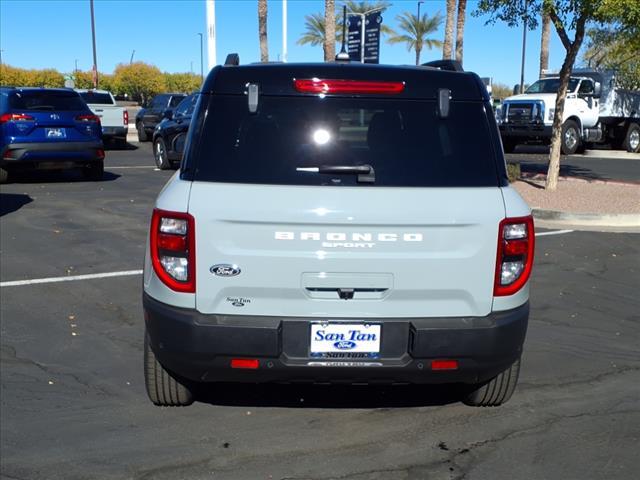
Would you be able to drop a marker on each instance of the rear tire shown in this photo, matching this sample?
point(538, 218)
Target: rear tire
point(160, 154)
point(4, 175)
point(570, 139)
point(163, 388)
point(95, 172)
point(142, 134)
point(496, 391)
point(632, 139)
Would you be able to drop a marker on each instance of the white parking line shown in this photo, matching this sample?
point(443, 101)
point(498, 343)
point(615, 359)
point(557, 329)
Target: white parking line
point(91, 276)
point(131, 166)
point(70, 278)
point(554, 232)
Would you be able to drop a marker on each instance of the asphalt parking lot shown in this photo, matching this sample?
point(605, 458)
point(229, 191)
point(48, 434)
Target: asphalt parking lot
point(73, 404)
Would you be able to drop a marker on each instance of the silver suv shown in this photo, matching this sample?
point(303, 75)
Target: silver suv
point(338, 223)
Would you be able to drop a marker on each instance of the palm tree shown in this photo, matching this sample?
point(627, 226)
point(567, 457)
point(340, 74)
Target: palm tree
point(417, 31)
point(462, 5)
point(330, 29)
point(262, 30)
point(447, 49)
point(544, 43)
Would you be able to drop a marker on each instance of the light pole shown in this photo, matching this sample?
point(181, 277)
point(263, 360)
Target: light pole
point(524, 45)
point(131, 59)
point(284, 31)
point(201, 59)
point(421, 1)
point(363, 18)
point(93, 37)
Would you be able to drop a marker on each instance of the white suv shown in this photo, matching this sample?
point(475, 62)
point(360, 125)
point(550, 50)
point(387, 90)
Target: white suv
point(338, 223)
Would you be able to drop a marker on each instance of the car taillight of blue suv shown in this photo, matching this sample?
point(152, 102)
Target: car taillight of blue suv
point(48, 129)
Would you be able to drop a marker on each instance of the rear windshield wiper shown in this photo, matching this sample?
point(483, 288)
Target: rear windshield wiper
point(365, 173)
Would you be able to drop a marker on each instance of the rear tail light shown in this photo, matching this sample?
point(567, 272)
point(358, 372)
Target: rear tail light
point(125, 117)
point(173, 249)
point(88, 119)
point(516, 242)
point(316, 85)
point(100, 154)
point(15, 117)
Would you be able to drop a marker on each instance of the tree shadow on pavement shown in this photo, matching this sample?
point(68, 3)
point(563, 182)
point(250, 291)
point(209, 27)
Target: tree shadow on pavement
point(328, 396)
point(565, 171)
point(58, 177)
point(11, 202)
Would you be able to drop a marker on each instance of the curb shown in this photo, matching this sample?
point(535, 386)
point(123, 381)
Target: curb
point(617, 154)
point(543, 177)
point(613, 220)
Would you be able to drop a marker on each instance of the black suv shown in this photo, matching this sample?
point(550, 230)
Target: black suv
point(171, 133)
point(148, 118)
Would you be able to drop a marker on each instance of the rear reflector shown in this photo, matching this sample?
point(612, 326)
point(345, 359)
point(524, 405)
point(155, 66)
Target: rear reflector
point(316, 85)
point(248, 363)
point(444, 364)
point(15, 117)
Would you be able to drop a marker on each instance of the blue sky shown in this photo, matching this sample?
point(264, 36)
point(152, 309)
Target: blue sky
point(54, 33)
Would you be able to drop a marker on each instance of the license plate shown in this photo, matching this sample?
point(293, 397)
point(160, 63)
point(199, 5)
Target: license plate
point(55, 132)
point(344, 338)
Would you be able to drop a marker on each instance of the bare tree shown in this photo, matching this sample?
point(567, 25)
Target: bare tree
point(462, 6)
point(544, 43)
point(447, 49)
point(262, 30)
point(330, 30)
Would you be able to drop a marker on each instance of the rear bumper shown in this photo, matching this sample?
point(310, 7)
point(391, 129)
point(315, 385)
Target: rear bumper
point(526, 131)
point(114, 132)
point(200, 347)
point(19, 155)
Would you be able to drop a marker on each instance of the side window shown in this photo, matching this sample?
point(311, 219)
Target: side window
point(175, 100)
point(183, 108)
point(192, 104)
point(158, 102)
point(586, 87)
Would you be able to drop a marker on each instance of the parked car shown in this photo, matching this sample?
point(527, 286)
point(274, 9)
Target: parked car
point(114, 119)
point(148, 118)
point(596, 111)
point(48, 128)
point(338, 223)
point(170, 134)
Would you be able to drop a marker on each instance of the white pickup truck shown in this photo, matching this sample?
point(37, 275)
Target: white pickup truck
point(114, 119)
point(596, 111)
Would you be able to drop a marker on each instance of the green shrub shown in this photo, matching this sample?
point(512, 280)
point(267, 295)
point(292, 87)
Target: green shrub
point(513, 172)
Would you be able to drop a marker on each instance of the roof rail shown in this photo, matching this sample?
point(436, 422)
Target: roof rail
point(449, 65)
point(233, 59)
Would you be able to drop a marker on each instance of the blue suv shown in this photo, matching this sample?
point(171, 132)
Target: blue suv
point(47, 128)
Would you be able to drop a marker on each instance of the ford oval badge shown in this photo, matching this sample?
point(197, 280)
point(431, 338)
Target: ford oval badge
point(345, 345)
point(225, 270)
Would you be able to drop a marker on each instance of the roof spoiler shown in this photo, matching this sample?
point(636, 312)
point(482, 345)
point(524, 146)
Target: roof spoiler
point(448, 65)
point(233, 59)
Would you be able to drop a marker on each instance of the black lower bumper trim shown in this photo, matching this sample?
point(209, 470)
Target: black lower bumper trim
point(525, 131)
point(200, 347)
point(17, 155)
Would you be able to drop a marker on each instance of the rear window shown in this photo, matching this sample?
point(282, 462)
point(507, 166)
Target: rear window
point(97, 98)
point(404, 141)
point(46, 100)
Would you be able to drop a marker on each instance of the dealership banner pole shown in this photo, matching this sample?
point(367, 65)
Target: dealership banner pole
point(93, 37)
point(284, 30)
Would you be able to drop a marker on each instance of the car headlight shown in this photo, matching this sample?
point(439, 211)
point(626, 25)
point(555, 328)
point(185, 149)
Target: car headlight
point(550, 114)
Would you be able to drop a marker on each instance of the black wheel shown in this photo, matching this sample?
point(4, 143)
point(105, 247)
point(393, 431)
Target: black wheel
point(496, 391)
point(142, 134)
point(95, 172)
point(570, 137)
point(509, 145)
point(632, 139)
point(4, 175)
point(163, 388)
point(160, 154)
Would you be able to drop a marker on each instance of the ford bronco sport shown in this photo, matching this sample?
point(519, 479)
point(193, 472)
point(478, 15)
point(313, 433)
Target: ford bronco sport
point(338, 223)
